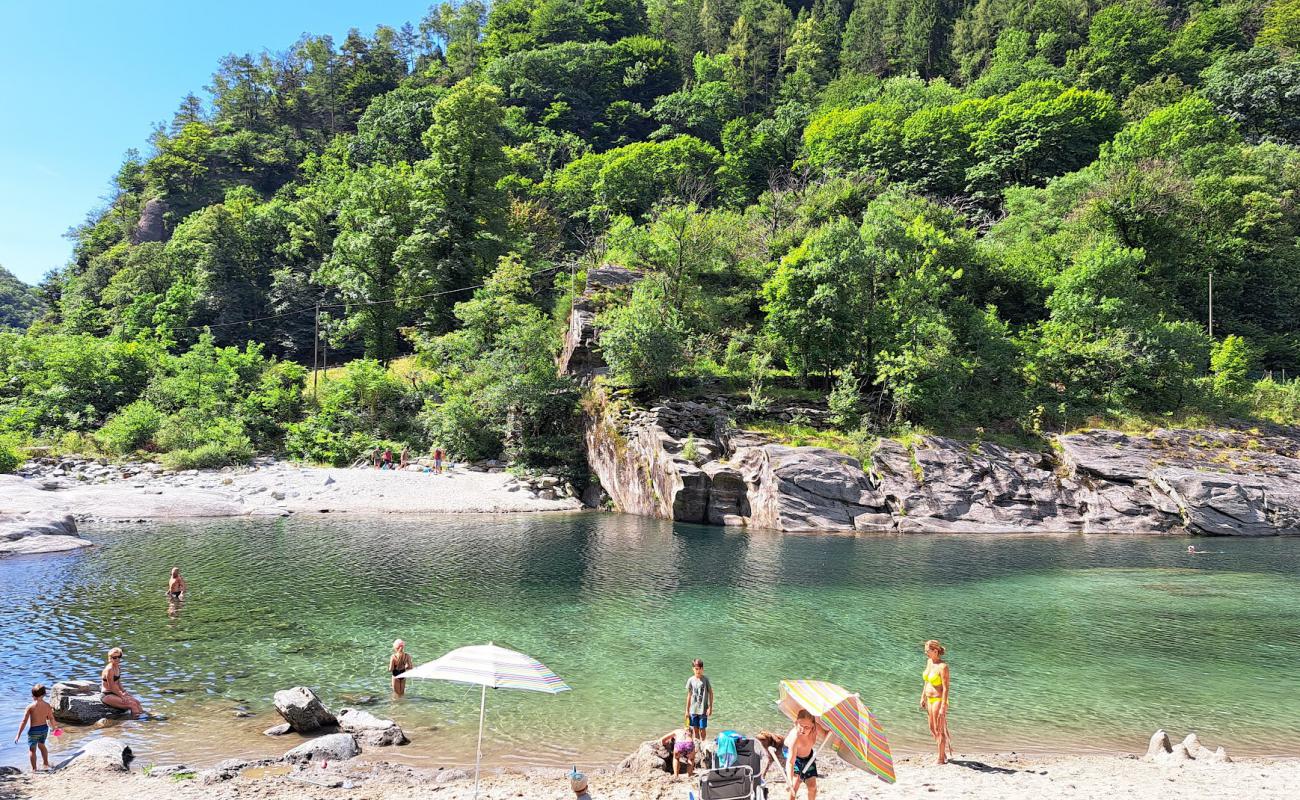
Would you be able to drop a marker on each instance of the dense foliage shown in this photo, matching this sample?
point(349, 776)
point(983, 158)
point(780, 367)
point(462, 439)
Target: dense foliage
point(986, 212)
point(19, 303)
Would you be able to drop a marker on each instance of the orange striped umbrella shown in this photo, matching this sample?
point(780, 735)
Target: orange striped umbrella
point(857, 735)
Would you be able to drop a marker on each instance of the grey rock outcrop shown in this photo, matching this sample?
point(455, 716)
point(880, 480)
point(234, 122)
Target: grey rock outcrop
point(104, 754)
point(80, 702)
point(331, 747)
point(371, 730)
point(303, 710)
point(683, 460)
point(34, 534)
point(580, 354)
point(152, 224)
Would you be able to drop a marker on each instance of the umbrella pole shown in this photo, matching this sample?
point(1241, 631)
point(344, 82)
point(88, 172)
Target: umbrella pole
point(478, 755)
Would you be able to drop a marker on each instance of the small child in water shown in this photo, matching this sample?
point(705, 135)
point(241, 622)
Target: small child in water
point(40, 715)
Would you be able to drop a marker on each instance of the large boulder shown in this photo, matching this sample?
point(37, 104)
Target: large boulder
point(303, 710)
point(331, 747)
point(370, 729)
point(105, 754)
point(648, 759)
point(80, 702)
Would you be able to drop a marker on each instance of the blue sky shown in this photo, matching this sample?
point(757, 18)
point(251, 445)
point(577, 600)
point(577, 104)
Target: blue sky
point(81, 82)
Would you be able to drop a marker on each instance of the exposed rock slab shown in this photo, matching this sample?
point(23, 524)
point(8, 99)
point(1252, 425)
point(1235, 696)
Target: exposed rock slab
point(32, 534)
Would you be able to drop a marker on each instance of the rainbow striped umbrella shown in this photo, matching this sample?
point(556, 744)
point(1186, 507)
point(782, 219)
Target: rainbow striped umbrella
point(858, 737)
point(493, 667)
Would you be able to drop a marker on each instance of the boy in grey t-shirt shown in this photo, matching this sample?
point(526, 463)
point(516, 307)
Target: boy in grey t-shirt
point(699, 702)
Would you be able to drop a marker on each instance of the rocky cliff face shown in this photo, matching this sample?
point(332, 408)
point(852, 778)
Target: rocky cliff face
point(685, 460)
point(679, 460)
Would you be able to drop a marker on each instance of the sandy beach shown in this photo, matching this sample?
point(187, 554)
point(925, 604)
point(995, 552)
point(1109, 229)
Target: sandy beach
point(984, 777)
point(272, 489)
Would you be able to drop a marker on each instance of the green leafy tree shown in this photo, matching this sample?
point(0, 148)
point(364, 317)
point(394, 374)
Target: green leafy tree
point(644, 340)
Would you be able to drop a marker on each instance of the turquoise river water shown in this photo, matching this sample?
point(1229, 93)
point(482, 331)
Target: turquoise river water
point(1065, 643)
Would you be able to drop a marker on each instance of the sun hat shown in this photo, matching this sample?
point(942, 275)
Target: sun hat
point(578, 781)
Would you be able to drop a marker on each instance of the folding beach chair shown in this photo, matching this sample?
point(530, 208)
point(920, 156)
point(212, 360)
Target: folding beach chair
point(727, 783)
point(741, 781)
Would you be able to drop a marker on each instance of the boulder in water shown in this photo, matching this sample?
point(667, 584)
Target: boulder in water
point(303, 710)
point(331, 747)
point(80, 702)
point(278, 730)
point(370, 729)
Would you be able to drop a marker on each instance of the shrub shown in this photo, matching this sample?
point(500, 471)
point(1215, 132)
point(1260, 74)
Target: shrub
point(845, 401)
point(9, 458)
point(130, 429)
point(644, 340)
point(210, 455)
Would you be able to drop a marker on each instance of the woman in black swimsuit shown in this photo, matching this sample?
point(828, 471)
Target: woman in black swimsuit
point(110, 684)
point(176, 585)
point(400, 661)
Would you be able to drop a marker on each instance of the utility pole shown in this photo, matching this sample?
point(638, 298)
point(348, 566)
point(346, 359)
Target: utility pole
point(315, 351)
point(1211, 304)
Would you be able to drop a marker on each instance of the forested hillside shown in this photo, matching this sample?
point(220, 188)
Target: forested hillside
point(19, 303)
point(991, 214)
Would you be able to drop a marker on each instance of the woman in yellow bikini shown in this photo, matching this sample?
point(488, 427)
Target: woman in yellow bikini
point(934, 697)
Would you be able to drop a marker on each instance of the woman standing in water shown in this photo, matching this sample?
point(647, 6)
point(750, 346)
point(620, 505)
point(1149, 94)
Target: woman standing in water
point(400, 661)
point(110, 684)
point(934, 697)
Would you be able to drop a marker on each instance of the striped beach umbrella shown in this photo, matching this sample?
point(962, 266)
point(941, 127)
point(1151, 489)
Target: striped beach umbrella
point(855, 733)
point(490, 667)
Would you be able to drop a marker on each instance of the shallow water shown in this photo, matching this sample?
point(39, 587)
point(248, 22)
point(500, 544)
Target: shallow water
point(1056, 642)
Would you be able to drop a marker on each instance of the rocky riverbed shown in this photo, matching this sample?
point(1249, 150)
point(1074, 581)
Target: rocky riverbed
point(41, 506)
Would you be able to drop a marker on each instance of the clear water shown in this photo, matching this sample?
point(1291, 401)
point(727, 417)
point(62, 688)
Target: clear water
point(1056, 642)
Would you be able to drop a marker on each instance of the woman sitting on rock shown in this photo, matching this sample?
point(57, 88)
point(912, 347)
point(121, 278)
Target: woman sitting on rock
point(110, 684)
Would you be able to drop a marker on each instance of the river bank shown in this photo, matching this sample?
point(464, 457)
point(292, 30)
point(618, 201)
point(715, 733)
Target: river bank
point(106, 493)
point(997, 776)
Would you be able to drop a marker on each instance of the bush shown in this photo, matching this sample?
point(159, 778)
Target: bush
point(130, 429)
point(9, 458)
point(644, 341)
point(210, 455)
point(845, 401)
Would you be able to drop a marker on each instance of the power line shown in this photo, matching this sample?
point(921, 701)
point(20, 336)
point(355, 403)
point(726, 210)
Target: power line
point(318, 308)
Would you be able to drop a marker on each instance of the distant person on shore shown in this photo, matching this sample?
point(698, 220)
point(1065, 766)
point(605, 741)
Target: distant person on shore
point(801, 755)
point(578, 783)
point(176, 586)
point(935, 682)
point(387, 459)
point(376, 456)
point(406, 457)
point(110, 684)
point(681, 748)
point(437, 460)
point(40, 716)
point(699, 701)
point(400, 661)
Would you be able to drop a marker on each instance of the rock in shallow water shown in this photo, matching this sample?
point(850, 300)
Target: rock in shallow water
point(331, 747)
point(105, 754)
point(370, 729)
point(80, 702)
point(303, 710)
